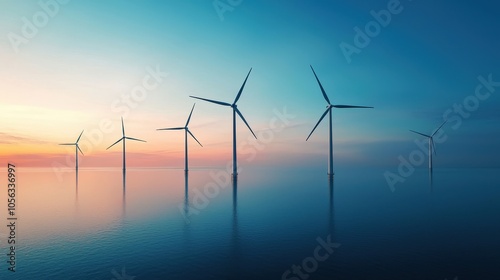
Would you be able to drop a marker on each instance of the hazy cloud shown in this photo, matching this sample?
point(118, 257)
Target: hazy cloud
point(16, 139)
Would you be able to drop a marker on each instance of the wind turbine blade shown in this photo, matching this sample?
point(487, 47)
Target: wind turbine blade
point(439, 128)
point(173, 128)
point(320, 119)
point(78, 147)
point(194, 137)
point(241, 89)
point(321, 86)
point(213, 101)
point(190, 114)
point(433, 146)
point(350, 106)
point(79, 137)
point(123, 129)
point(425, 135)
point(135, 139)
point(115, 143)
point(245, 121)
point(68, 144)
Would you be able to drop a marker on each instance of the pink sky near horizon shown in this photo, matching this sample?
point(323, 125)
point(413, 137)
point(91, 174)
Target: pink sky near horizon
point(139, 155)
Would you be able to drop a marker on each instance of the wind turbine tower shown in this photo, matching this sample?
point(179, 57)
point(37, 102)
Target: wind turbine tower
point(328, 111)
point(186, 132)
point(123, 139)
point(235, 111)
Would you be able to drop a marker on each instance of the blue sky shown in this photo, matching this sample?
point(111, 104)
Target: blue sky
point(92, 52)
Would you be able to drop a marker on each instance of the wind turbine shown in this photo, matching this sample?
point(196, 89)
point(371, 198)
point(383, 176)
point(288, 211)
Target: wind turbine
point(124, 138)
point(328, 111)
point(77, 148)
point(432, 147)
point(235, 111)
point(186, 131)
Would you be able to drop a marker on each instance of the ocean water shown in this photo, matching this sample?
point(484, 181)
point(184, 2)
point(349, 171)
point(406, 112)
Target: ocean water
point(271, 223)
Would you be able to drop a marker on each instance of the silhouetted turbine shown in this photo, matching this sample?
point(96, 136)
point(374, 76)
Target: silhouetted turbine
point(235, 111)
point(124, 138)
point(186, 131)
point(329, 112)
point(77, 148)
point(432, 147)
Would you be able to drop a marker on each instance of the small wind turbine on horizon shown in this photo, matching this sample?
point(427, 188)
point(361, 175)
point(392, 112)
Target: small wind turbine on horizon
point(186, 131)
point(235, 111)
point(432, 147)
point(124, 138)
point(328, 111)
point(77, 148)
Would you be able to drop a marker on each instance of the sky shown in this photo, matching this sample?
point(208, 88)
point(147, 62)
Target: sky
point(69, 66)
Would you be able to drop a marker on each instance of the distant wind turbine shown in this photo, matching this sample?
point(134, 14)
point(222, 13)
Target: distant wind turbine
point(328, 111)
point(186, 131)
point(77, 148)
point(432, 147)
point(235, 111)
point(124, 138)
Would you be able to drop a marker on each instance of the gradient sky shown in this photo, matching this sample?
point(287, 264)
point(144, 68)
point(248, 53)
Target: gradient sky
point(72, 74)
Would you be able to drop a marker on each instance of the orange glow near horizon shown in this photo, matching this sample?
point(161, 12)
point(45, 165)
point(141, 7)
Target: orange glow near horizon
point(216, 158)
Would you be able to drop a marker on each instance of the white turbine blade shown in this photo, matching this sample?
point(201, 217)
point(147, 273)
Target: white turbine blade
point(320, 119)
point(68, 144)
point(79, 137)
point(321, 86)
point(190, 114)
point(351, 106)
point(439, 128)
point(135, 139)
point(115, 143)
point(172, 128)
point(245, 121)
point(241, 89)
point(123, 129)
point(78, 147)
point(420, 133)
point(194, 137)
point(213, 101)
point(433, 146)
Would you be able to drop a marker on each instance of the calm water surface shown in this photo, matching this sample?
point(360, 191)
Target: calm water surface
point(161, 224)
